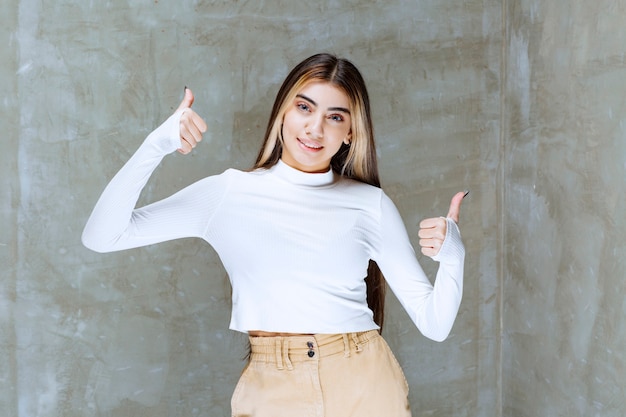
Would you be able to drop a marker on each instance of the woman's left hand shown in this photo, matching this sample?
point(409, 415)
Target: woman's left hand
point(433, 231)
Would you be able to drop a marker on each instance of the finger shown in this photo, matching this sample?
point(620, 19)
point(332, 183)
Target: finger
point(199, 122)
point(434, 233)
point(432, 222)
point(430, 247)
point(434, 243)
point(185, 147)
point(455, 206)
point(429, 251)
point(189, 130)
point(187, 100)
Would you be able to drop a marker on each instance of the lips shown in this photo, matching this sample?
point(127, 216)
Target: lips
point(309, 144)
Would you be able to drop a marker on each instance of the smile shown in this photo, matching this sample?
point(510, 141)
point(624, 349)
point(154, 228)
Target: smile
point(310, 144)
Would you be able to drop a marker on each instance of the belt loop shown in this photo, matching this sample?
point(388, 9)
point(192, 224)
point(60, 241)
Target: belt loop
point(346, 345)
point(279, 357)
point(286, 354)
point(355, 339)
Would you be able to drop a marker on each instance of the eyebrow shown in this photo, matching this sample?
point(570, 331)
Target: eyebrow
point(341, 109)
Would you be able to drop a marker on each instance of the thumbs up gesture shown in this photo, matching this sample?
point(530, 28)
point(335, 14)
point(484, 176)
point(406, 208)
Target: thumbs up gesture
point(191, 125)
point(433, 231)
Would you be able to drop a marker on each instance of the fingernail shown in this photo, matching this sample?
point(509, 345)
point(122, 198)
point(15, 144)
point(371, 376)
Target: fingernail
point(185, 89)
point(466, 193)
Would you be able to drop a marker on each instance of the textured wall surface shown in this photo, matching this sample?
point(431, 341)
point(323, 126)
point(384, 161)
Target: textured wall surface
point(564, 165)
point(144, 332)
point(9, 202)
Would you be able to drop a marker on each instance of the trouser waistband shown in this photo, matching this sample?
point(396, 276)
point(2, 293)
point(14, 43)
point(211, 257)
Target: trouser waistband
point(286, 350)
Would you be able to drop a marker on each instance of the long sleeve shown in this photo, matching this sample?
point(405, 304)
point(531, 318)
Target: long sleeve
point(433, 309)
point(115, 224)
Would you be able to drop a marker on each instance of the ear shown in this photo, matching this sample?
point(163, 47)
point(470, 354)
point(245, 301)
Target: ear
point(348, 139)
point(280, 135)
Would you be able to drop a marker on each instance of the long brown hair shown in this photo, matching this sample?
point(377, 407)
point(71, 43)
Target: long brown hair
point(356, 161)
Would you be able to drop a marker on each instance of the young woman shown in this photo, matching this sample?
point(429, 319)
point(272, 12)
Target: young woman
point(304, 237)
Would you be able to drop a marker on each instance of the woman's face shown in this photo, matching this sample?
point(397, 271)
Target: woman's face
point(314, 127)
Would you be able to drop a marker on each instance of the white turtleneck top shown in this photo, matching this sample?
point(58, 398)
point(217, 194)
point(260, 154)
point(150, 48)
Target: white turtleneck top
point(295, 245)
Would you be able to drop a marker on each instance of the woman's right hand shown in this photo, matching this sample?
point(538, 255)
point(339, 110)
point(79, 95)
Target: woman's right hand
point(191, 127)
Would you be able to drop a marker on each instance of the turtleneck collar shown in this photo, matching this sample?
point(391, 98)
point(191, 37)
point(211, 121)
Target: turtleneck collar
point(297, 177)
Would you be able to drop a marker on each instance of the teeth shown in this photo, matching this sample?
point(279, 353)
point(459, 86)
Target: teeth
point(311, 145)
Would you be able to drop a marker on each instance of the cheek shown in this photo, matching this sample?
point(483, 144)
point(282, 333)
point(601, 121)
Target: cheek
point(286, 117)
point(339, 133)
point(338, 141)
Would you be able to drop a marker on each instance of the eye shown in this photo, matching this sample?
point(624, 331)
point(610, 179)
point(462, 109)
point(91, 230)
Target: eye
point(336, 117)
point(303, 107)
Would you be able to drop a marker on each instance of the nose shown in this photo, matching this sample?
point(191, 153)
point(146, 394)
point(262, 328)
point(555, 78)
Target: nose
point(315, 128)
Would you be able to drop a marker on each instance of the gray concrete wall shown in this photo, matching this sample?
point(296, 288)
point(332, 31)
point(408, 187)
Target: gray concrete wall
point(9, 202)
point(564, 166)
point(144, 332)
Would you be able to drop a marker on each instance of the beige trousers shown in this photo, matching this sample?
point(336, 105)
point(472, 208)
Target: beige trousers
point(321, 376)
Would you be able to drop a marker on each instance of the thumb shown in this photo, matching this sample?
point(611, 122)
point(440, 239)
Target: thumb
point(187, 100)
point(455, 206)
